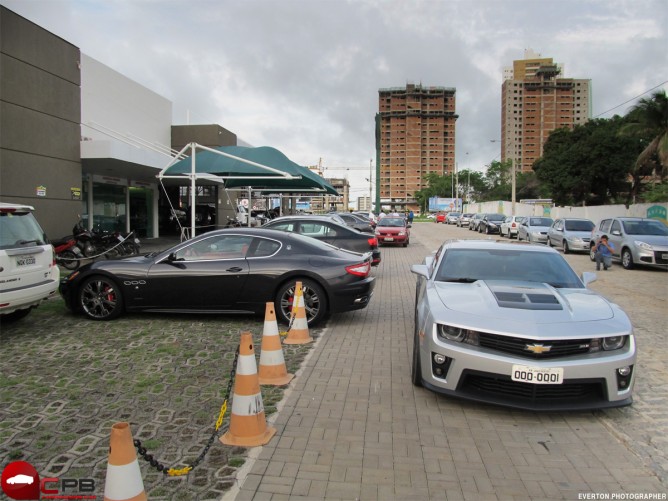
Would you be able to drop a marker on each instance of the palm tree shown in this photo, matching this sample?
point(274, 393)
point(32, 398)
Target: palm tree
point(649, 118)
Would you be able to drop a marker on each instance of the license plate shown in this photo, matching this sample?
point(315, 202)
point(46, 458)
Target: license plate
point(120, 238)
point(537, 375)
point(664, 256)
point(25, 261)
point(389, 239)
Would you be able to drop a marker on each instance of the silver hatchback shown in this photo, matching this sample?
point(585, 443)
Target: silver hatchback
point(571, 234)
point(534, 229)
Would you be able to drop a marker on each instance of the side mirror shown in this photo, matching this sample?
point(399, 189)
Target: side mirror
point(588, 277)
point(617, 233)
point(420, 269)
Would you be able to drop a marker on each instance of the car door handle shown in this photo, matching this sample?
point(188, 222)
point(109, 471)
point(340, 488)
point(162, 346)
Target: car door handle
point(234, 269)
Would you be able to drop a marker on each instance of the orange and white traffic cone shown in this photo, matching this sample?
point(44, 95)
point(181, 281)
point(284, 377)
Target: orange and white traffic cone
point(272, 363)
point(248, 425)
point(298, 333)
point(124, 482)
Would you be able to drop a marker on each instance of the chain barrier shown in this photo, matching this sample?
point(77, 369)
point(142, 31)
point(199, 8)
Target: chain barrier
point(177, 472)
point(293, 314)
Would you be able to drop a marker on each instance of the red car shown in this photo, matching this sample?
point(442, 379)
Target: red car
point(393, 230)
point(440, 217)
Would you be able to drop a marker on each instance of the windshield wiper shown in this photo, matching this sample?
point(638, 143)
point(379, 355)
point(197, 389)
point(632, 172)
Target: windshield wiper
point(26, 242)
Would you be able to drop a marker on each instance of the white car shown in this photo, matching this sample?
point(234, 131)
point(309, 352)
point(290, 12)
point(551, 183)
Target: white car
point(510, 226)
point(514, 325)
point(28, 270)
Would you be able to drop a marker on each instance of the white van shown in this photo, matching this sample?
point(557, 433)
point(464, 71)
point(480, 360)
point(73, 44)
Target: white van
point(28, 270)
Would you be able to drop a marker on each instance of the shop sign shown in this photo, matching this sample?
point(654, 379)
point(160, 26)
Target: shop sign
point(76, 193)
point(40, 191)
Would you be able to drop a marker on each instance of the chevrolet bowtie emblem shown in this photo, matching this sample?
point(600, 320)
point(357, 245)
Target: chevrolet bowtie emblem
point(537, 348)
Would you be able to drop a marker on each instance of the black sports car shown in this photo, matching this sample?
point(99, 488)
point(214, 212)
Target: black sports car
point(324, 228)
point(225, 271)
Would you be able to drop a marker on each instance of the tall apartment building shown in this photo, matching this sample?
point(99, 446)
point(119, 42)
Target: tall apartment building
point(415, 136)
point(535, 100)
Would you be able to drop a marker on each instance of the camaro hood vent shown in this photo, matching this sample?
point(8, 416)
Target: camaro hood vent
point(529, 300)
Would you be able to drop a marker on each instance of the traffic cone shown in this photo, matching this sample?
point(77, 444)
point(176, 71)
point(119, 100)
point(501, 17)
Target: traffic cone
point(272, 364)
point(124, 482)
point(298, 333)
point(248, 426)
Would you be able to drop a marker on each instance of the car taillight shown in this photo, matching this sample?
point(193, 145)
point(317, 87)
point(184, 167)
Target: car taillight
point(513, 225)
point(360, 270)
point(373, 242)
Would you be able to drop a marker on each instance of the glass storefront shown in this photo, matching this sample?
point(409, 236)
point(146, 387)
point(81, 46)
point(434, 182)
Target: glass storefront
point(141, 211)
point(109, 207)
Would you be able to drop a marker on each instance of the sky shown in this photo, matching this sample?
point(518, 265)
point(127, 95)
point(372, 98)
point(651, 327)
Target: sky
point(303, 75)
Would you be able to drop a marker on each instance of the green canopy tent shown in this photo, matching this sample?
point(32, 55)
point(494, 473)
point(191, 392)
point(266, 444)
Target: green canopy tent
point(263, 169)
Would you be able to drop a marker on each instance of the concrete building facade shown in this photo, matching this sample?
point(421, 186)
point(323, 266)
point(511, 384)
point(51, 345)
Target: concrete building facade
point(535, 100)
point(416, 136)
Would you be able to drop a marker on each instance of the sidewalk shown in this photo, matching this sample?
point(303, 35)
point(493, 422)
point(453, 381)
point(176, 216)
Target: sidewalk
point(354, 427)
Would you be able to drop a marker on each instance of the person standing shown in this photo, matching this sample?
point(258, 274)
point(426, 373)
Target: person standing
point(604, 250)
point(411, 215)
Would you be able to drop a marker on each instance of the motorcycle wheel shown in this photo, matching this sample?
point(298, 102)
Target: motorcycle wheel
point(68, 260)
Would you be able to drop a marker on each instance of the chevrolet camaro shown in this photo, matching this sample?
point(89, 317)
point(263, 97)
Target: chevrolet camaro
point(512, 324)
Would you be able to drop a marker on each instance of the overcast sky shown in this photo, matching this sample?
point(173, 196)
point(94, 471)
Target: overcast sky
point(303, 75)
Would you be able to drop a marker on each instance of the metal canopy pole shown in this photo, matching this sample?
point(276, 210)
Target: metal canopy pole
point(192, 190)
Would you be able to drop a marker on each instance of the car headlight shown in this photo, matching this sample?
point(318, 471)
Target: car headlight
point(457, 334)
point(535, 233)
point(402, 233)
point(575, 239)
point(643, 245)
point(492, 225)
point(613, 343)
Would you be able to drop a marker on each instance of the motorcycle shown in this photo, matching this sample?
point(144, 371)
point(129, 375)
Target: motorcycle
point(68, 255)
point(95, 243)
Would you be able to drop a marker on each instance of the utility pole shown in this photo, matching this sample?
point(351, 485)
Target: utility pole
point(370, 183)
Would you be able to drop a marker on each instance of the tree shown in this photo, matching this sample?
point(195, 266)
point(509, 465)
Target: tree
point(647, 122)
point(589, 164)
point(498, 181)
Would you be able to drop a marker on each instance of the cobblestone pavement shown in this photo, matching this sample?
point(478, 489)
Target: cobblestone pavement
point(354, 427)
point(65, 380)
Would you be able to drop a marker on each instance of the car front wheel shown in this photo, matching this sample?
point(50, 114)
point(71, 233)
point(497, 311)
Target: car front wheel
point(100, 298)
point(592, 252)
point(315, 301)
point(566, 247)
point(627, 259)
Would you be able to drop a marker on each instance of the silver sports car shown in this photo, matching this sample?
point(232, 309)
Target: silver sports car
point(512, 324)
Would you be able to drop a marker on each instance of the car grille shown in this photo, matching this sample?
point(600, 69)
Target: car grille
point(658, 259)
point(494, 387)
point(517, 346)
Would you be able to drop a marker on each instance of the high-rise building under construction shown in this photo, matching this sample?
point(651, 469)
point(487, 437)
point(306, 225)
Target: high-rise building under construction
point(415, 135)
point(535, 100)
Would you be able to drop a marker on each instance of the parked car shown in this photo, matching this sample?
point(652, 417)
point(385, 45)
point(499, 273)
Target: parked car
point(637, 241)
point(534, 229)
point(353, 221)
point(514, 325)
point(225, 271)
point(452, 217)
point(510, 225)
point(463, 220)
point(28, 270)
point(475, 221)
point(394, 231)
point(440, 217)
point(326, 230)
point(490, 223)
point(572, 234)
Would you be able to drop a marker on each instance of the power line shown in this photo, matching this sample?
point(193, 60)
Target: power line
point(632, 99)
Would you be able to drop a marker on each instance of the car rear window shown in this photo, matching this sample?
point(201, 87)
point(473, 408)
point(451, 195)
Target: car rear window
point(19, 229)
point(540, 221)
point(469, 265)
point(579, 225)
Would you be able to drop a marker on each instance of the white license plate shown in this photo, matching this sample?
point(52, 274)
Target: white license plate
point(537, 375)
point(389, 239)
point(25, 261)
point(664, 256)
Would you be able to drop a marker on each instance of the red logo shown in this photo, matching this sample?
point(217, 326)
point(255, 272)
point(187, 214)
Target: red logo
point(20, 481)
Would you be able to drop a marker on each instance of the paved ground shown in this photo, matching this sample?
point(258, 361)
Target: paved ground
point(354, 427)
point(350, 426)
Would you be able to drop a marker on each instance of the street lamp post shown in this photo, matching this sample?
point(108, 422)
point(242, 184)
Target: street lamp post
point(512, 178)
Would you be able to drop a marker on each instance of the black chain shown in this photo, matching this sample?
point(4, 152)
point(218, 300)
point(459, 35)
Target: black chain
point(184, 471)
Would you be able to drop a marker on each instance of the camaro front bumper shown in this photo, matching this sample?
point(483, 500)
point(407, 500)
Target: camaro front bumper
point(590, 380)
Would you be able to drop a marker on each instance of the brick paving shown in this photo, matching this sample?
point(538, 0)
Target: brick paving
point(354, 427)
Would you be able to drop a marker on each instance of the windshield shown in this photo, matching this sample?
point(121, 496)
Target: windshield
point(496, 217)
point(645, 228)
point(540, 221)
point(469, 265)
point(392, 221)
point(454, 214)
point(574, 225)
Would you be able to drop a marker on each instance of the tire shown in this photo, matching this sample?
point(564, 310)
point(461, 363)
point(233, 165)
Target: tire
point(99, 298)
point(406, 243)
point(519, 238)
point(549, 242)
point(315, 301)
point(416, 370)
point(627, 259)
point(69, 260)
point(567, 249)
point(487, 232)
point(592, 253)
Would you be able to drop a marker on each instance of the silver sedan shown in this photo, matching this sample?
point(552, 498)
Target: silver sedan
point(534, 229)
point(514, 325)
